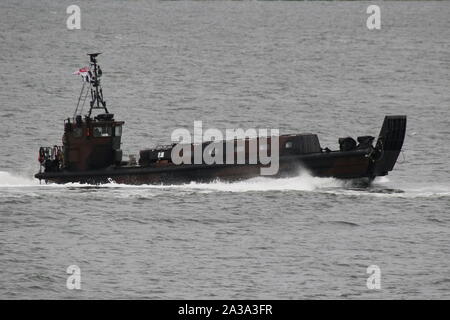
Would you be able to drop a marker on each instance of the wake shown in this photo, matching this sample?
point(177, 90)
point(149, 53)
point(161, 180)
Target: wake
point(16, 180)
point(381, 187)
point(302, 182)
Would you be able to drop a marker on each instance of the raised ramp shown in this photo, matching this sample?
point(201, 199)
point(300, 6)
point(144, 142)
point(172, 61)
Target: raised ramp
point(389, 144)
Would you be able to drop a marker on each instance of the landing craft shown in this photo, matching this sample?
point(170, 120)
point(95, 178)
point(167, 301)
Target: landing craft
point(91, 151)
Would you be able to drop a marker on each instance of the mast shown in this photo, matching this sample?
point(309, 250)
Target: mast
point(97, 101)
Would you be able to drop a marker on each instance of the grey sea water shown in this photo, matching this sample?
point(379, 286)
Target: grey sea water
point(296, 66)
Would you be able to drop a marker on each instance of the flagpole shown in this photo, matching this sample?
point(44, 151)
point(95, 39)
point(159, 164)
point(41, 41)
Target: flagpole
point(79, 99)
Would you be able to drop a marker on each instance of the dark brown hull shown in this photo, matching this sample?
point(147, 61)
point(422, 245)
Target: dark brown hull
point(343, 165)
point(366, 163)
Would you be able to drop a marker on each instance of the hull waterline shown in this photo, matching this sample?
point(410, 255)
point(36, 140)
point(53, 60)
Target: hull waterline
point(341, 165)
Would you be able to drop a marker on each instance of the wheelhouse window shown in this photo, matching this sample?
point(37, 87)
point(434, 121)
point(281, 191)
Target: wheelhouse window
point(77, 132)
point(118, 131)
point(103, 131)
